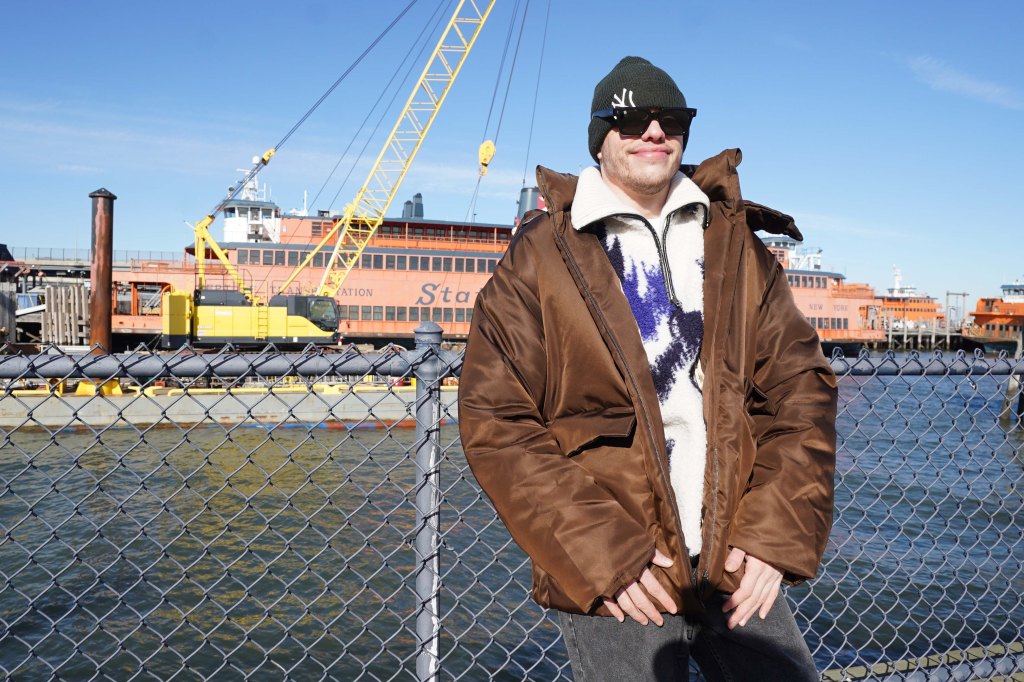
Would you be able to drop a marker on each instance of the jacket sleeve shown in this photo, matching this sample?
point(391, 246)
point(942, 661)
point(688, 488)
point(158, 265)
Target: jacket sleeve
point(785, 515)
point(569, 525)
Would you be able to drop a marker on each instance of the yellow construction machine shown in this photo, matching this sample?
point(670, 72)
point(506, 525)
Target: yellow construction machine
point(214, 317)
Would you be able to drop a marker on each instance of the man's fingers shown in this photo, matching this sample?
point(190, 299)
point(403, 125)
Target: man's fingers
point(628, 607)
point(615, 610)
point(737, 597)
point(661, 560)
point(655, 589)
point(644, 605)
point(734, 560)
point(769, 601)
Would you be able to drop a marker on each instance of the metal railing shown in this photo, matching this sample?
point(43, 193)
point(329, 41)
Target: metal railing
point(269, 516)
point(75, 255)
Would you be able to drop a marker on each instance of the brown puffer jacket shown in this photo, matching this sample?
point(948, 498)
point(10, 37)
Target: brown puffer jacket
point(561, 424)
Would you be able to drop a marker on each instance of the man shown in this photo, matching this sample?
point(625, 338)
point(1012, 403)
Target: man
point(648, 410)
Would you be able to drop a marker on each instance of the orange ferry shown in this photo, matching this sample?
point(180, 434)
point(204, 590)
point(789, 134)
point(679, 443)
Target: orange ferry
point(846, 315)
point(415, 269)
point(998, 323)
point(903, 308)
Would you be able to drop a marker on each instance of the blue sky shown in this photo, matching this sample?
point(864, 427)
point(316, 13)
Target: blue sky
point(893, 132)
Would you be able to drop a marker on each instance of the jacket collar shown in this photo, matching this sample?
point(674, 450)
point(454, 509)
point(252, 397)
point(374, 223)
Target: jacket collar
point(595, 200)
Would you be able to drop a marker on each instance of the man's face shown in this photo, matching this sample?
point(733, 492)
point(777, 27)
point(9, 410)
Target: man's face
point(640, 164)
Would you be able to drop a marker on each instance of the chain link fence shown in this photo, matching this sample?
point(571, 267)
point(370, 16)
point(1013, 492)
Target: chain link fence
point(311, 516)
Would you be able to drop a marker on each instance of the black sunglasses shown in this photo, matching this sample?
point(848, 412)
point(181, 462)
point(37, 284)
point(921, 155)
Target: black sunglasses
point(635, 120)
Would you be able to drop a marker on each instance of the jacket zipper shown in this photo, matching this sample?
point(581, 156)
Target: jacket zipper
point(712, 434)
point(660, 244)
point(636, 390)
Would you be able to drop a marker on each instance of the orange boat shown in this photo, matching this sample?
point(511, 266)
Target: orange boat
point(904, 308)
point(415, 269)
point(846, 315)
point(998, 323)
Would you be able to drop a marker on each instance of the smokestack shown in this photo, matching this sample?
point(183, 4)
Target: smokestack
point(101, 278)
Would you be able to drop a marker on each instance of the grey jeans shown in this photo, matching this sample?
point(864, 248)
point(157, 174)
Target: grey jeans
point(769, 650)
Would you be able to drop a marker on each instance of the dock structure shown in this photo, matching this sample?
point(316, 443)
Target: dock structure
point(924, 339)
point(66, 318)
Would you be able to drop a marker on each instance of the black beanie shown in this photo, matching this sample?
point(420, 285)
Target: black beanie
point(634, 82)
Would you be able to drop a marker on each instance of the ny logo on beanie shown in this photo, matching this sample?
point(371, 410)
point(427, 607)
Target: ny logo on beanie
point(620, 100)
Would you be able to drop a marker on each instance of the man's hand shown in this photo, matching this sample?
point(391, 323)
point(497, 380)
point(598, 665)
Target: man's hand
point(758, 588)
point(630, 600)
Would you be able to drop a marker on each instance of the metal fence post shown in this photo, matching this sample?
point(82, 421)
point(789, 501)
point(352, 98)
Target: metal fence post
point(428, 496)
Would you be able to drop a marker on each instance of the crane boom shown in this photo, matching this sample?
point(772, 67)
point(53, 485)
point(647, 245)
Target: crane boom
point(365, 213)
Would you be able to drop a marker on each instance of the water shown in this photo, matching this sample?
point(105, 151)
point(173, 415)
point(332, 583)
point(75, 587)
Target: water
point(257, 553)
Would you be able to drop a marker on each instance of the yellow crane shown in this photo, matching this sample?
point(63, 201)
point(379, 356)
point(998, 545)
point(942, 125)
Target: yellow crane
point(361, 218)
point(241, 317)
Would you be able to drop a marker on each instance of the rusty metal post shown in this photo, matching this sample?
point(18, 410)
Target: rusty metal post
point(101, 274)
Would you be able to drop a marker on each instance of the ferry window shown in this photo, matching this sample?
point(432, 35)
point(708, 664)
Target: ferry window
point(401, 313)
point(469, 314)
point(436, 315)
point(149, 298)
point(229, 212)
point(414, 314)
point(389, 313)
point(446, 264)
point(378, 262)
point(449, 315)
point(460, 314)
point(846, 323)
point(318, 260)
point(353, 312)
point(435, 264)
point(490, 264)
point(254, 257)
point(315, 229)
point(460, 265)
point(366, 313)
point(424, 314)
point(504, 236)
point(389, 262)
point(279, 258)
point(342, 312)
point(293, 258)
point(481, 265)
point(378, 312)
point(123, 299)
point(243, 256)
point(414, 262)
point(417, 232)
point(267, 215)
point(268, 257)
point(470, 263)
point(367, 261)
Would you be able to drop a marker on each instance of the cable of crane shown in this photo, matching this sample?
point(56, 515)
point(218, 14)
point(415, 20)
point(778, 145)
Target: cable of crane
point(512, 69)
point(424, 32)
point(270, 152)
point(536, 91)
point(488, 146)
point(437, 18)
point(402, 89)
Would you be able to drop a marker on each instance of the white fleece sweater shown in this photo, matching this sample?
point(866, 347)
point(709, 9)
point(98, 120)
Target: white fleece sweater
point(671, 332)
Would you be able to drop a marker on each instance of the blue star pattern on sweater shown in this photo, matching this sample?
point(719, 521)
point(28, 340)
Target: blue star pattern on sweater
point(647, 294)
